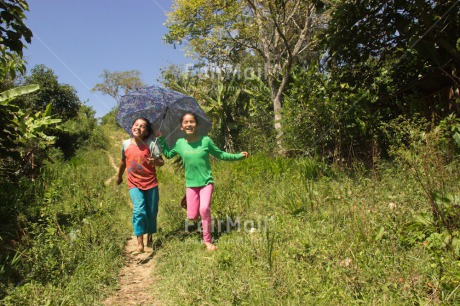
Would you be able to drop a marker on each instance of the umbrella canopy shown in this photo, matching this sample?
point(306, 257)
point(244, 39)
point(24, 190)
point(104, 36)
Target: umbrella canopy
point(164, 108)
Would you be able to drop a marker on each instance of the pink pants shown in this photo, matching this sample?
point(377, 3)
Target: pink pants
point(199, 204)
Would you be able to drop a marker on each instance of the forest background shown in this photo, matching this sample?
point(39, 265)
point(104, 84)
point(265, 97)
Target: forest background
point(350, 111)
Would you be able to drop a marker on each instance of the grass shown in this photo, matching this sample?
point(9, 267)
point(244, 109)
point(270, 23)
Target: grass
point(292, 232)
point(69, 251)
point(319, 237)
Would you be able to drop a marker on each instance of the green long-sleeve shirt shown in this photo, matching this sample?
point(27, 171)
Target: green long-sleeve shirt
point(195, 156)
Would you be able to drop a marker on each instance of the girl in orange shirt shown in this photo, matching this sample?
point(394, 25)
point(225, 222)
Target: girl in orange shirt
point(140, 155)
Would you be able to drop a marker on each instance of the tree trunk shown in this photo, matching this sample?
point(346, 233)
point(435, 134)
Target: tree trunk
point(276, 95)
point(278, 124)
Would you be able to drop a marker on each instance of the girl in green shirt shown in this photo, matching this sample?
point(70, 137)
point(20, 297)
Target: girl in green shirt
point(194, 150)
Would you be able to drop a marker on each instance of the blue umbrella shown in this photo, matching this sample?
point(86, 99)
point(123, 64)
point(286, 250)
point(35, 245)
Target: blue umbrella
point(164, 108)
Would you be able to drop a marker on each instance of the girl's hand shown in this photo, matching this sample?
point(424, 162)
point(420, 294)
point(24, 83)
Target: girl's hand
point(158, 133)
point(158, 162)
point(245, 154)
point(119, 180)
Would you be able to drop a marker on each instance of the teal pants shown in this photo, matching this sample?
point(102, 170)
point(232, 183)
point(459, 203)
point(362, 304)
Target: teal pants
point(145, 203)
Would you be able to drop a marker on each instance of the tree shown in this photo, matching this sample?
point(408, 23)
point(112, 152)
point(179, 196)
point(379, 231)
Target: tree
point(278, 31)
point(76, 132)
point(63, 98)
point(117, 83)
point(370, 49)
point(222, 97)
point(415, 35)
point(12, 32)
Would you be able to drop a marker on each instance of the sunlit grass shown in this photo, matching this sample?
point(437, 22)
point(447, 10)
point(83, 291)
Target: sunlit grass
point(302, 238)
point(289, 232)
point(70, 251)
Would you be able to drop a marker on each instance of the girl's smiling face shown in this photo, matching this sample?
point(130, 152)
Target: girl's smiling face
point(139, 129)
point(189, 124)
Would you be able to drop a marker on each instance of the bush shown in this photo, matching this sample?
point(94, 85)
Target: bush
point(110, 117)
point(76, 132)
point(429, 155)
point(98, 140)
point(65, 232)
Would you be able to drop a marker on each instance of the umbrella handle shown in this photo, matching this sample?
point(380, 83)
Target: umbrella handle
point(161, 124)
point(164, 116)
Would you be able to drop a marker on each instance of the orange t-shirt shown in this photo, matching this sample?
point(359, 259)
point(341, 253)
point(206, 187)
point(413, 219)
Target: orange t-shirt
point(140, 173)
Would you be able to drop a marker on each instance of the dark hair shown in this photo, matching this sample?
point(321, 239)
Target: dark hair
point(149, 126)
point(189, 113)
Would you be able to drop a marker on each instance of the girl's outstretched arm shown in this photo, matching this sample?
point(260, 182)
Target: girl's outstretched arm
point(222, 155)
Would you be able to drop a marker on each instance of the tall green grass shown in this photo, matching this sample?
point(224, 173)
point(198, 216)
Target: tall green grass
point(289, 232)
point(70, 247)
point(301, 233)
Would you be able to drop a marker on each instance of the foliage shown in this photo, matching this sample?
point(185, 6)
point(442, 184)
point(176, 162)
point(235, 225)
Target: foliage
point(278, 31)
point(23, 137)
point(12, 33)
point(79, 119)
point(25, 133)
point(32, 127)
point(117, 83)
point(7, 136)
point(204, 26)
point(237, 99)
point(258, 134)
point(326, 118)
point(376, 29)
point(389, 46)
point(225, 103)
point(430, 155)
point(110, 118)
point(78, 132)
point(62, 239)
point(63, 98)
point(294, 231)
point(221, 93)
point(427, 151)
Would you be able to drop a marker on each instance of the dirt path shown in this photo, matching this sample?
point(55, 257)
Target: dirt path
point(135, 277)
point(112, 162)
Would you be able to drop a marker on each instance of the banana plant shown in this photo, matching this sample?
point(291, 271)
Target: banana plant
point(221, 100)
point(24, 133)
point(31, 128)
point(9, 134)
point(8, 96)
point(219, 94)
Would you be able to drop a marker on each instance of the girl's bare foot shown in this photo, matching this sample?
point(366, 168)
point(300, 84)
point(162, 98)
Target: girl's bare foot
point(140, 243)
point(210, 246)
point(149, 240)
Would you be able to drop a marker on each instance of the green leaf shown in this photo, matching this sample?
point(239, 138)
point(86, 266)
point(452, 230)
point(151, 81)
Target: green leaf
point(443, 199)
point(9, 95)
point(424, 220)
point(380, 234)
point(456, 246)
point(457, 138)
point(47, 110)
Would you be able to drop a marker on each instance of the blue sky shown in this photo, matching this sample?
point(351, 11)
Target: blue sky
point(78, 39)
